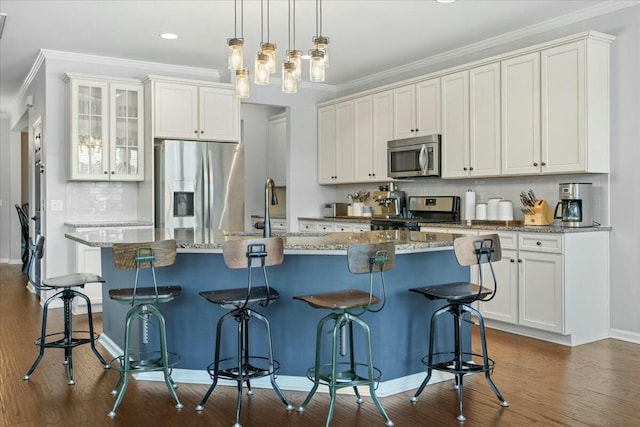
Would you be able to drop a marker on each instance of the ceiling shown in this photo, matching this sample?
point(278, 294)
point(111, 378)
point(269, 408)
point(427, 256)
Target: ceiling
point(367, 36)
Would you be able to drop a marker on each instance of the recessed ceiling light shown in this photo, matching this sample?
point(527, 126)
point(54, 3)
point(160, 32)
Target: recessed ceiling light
point(169, 36)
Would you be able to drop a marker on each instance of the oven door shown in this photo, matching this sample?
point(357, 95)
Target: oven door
point(413, 160)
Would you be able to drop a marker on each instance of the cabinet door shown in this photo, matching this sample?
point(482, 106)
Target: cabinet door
point(540, 291)
point(278, 150)
point(455, 125)
point(325, 226)
point(563, 108)
point(428, 107)
point(521, 115)
point(345, 142)
point(307, 226)
point(126, 135)
point(404, 112)
point(343, 227)
point(382, 132)
point(88, 260)
point(484, 120)
point(504, 305)
point(176, 110)
point(326, 144)
point(219, 118)
point(363, 139)
point(89, 130)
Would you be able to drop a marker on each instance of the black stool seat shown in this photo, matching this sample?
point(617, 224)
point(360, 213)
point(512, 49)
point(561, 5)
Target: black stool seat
point(229, 298)
point(146, 294)
point(470, 250)
point(68, 338)
point(244, 366)
point(459, 292)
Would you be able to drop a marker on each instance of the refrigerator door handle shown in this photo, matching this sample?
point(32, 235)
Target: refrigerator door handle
point(211, 189)
point(205, 186)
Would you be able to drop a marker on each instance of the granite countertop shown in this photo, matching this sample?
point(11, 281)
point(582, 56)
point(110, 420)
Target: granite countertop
point(515, 228)
point(356, 219)
point(99, 224)
point(297, 242)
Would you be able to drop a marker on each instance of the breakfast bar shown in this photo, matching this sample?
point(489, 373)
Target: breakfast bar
point(314, 262)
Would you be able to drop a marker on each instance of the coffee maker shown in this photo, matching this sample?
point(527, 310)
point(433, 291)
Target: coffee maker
point(392, 202)
point(575, 205)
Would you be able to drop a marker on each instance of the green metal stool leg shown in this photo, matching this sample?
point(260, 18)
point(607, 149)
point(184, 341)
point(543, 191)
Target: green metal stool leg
point(126, 362)
point(165, 354)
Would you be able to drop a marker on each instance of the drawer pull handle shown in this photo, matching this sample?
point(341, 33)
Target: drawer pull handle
point(539, 243)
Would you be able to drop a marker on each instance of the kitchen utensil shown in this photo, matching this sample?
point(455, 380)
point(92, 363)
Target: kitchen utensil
point(532, 196)
point(542, 214)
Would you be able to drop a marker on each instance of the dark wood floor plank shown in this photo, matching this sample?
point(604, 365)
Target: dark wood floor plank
point(546, 384)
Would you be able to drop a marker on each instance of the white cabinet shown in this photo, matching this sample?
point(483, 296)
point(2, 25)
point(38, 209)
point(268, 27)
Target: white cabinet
point(575, 107)
point(373, 128)
point(88, 260)
point(331, 226)
point(195, 110)
point(382, 132)
point(336, 142)
point(277, 144)
point(471, 123)
point(106, 128)
point(552, 286)
point(521, 115)
point(417, 109)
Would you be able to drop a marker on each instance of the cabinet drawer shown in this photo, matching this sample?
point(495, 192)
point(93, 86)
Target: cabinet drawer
point(344, 227)
point(540, 242)
point(509, 240)
point(307, 226)
point(326, 227)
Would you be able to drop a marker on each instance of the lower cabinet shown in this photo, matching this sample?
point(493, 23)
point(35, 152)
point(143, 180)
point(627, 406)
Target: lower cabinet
point(88, 260)
point(330, 226)
point(552, 283)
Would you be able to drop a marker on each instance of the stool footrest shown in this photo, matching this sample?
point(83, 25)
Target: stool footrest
point(344, 378)
point(77, 338)
point(147, 361)
point(254, 367)
point(467, 366)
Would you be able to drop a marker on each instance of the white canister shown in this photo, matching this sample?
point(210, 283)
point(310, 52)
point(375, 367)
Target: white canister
point(481, 211)
point(505, 210)
point(350, 210)
point(492, 208)
point(358, 208)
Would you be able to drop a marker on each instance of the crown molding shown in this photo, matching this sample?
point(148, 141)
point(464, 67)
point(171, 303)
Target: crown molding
point(551, 24)
point(13, 108)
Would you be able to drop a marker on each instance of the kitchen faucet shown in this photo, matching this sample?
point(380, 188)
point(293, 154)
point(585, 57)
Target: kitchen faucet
point(274, 201)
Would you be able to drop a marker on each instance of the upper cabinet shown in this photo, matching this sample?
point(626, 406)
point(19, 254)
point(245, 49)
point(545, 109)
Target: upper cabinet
point(416, 110)
point(455, 125)
point(336, 139)
point(195, 110)
point(106, 128)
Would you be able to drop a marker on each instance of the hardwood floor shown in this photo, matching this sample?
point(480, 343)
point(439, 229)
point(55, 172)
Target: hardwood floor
point(546, 384)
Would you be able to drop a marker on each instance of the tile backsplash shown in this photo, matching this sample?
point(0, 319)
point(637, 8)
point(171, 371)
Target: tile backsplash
point(101, 201)
point(545, 187)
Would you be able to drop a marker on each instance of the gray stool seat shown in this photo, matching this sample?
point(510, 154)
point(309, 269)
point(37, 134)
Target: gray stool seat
point(68, 338)
point(469, 251)
point(346, 308)
point(143, 301)
point(245, 366)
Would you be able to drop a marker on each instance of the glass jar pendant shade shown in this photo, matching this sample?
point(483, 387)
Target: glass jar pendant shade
point(289, 81)
point(295, 56)
point(235, 54)
point(321, 43)
point(262, 71)
point(316, 66)
point(269, 49)
point(242, 83)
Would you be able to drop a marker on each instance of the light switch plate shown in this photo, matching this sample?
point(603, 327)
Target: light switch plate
point(57, 206)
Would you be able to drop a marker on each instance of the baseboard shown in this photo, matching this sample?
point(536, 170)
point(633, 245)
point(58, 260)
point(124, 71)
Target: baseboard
point(285, 382)
point(621, 335)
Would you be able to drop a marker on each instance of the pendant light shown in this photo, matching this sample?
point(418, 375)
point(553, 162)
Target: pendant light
point(242, 83)
point(294, 55)
point(318, 55)
point(289, 78)
point(267, 47)
point(262, 67)
point(316, 66)
point(236, 43)
point(319, 41)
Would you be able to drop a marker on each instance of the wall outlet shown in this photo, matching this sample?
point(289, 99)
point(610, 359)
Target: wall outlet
point(57, 206)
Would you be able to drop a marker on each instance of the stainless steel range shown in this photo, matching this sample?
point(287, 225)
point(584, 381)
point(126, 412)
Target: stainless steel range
point(422, 209)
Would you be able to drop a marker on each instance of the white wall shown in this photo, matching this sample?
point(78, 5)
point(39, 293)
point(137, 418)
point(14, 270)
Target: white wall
point(7, 220)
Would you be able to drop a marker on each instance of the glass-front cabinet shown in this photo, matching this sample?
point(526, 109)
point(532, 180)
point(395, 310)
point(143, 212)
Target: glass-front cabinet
point(106, 129)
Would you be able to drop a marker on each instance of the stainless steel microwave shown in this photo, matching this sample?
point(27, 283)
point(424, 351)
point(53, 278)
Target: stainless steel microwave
point(411, 157)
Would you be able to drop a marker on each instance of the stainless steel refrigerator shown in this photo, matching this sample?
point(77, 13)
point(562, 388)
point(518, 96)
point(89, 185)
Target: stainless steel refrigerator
point(199, 185)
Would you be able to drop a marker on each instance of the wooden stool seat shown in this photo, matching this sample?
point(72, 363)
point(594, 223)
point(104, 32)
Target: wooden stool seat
point(458, 292)
point(72, 280)
point(350, 298)
point(230, 298)
point(146, 294)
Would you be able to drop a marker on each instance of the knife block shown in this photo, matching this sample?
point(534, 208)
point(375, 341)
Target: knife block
point(542, 214)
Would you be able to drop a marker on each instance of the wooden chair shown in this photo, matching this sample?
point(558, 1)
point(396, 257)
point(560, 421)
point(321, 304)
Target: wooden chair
point(245, 366)
point(469, 251)
point(346, 308)
point(143, 301)
point(68, 339)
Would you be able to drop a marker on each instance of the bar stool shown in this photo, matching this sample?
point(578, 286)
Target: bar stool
point(143, 301)
point(346, 308)
point(68, 339)
point(471, 250)
point(244, 366)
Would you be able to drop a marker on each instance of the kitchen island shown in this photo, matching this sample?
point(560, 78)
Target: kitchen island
point(314, 262)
